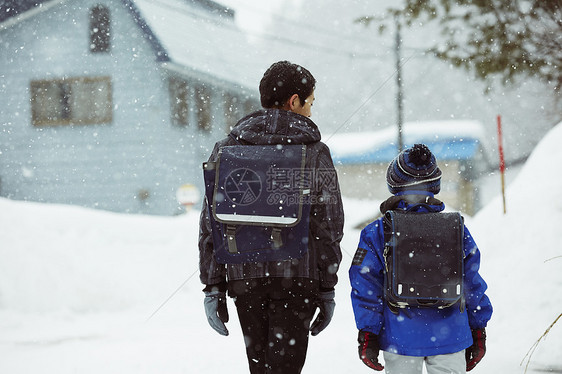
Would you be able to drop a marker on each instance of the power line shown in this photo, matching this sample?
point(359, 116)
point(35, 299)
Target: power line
point(308, 27)
point(371, 96)
point(267, 36)
point(322, 30)
point(172, 295)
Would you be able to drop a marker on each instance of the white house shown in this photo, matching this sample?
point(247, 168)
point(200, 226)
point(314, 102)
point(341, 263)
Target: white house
point(114, 104)
point(362, 159)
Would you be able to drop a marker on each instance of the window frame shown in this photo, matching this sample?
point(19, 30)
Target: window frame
point(232, 110)
point(204, 108)
point(100, 29)
point(180, 103)
point(68, 102)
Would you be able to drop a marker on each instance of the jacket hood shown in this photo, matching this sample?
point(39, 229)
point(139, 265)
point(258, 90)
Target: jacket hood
point(275, 126)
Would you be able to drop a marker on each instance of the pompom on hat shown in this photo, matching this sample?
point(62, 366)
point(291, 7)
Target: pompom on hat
point(414, 169)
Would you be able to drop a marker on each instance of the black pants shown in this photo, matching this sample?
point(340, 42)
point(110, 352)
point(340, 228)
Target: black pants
point(275, 316)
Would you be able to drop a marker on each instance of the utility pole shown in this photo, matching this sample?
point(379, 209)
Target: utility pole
point(399, 93)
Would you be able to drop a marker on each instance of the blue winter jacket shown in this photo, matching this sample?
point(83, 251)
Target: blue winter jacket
point(415, 331)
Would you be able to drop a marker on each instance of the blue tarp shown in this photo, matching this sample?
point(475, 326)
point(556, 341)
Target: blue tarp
point(456, 149)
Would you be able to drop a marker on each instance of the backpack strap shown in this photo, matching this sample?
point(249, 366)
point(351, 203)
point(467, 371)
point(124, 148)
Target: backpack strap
point(234, 138)
point(231, 238)
point(387, 230)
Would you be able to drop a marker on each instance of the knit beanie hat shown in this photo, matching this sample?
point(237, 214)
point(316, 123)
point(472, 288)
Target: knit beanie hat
point(414, 169)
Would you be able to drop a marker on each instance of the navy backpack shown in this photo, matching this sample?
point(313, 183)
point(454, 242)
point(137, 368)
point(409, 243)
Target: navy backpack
point(258, 203)
point(423, 259)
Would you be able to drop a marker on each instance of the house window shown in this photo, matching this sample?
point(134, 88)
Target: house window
point(203, 104)
point(99, 29)
point(179, 96)
point(71, 101)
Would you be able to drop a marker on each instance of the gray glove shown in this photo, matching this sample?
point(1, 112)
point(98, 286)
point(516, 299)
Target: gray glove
point(216, 311)
point(326, 305)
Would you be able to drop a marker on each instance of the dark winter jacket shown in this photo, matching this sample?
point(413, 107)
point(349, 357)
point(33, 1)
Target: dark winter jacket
point(323, 257)
point(415, 331)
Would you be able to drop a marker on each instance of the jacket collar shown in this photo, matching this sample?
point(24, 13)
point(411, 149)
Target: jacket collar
point(275, 126)
point(416, 201)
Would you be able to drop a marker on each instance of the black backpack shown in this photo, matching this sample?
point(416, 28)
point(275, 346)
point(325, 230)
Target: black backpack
point(257, 200)
point(423, 259)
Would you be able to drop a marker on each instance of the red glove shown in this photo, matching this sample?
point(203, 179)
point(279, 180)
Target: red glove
point(369, 348)
point(477, 350)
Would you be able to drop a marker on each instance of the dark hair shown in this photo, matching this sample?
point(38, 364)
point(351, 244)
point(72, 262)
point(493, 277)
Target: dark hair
point(282, 80)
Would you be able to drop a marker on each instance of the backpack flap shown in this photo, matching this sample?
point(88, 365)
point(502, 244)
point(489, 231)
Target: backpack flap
point(424, 259)
point(260, 203)
point(256, 185)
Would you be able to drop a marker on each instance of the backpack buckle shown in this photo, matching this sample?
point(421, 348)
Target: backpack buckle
point(276, 237)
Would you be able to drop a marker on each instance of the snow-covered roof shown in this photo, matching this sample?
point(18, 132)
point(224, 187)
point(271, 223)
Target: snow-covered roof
point(12, 12)
point(448, 140)
point(198, 41)
point(194, 37)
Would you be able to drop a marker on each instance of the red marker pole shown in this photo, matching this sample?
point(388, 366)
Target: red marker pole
point(502, 161)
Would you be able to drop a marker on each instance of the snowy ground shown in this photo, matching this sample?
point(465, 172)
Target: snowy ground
point(79, 288)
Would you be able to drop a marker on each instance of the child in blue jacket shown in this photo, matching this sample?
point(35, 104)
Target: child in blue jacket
point(448, 340)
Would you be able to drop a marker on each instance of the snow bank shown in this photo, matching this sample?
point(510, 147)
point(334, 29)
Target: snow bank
point(521, 260)
point(71, 258)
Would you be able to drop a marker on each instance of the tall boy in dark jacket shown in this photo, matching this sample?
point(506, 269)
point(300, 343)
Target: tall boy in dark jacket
point(276, 301)
point(447, 340)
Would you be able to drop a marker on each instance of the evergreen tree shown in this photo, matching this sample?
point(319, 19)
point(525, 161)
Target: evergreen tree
point(492, 38)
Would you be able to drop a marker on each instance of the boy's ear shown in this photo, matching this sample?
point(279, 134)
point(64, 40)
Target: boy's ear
point(293, 102)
